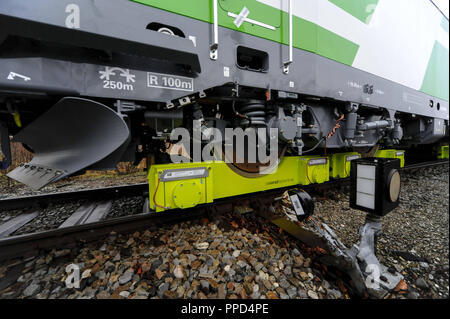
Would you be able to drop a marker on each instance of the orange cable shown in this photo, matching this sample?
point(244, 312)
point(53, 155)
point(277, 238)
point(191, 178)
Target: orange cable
point(154, 195)
point(333, 131)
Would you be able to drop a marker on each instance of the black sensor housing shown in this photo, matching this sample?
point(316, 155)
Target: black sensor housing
point(375, 185)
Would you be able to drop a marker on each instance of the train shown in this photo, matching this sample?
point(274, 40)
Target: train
point(204, 90)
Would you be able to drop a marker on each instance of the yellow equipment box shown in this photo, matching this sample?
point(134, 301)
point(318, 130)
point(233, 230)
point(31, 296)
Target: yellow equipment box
point(392, 154)
point(186, 185)
point(314, 169)
point(340, 164)
point(443, 152)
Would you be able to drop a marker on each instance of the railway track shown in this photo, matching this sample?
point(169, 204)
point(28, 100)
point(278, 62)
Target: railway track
point(425, 164)
point(51, 198)
point(89, 221)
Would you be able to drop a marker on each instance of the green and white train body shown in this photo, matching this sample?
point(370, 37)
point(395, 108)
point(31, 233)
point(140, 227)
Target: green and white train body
point(392, 54)
point(404, 41)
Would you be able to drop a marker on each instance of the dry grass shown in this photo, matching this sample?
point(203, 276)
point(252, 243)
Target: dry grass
point(21, 155)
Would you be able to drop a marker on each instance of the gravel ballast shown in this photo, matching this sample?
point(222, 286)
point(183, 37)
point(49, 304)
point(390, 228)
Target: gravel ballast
point(245, 257)
point(200, 259)
point(418, 229)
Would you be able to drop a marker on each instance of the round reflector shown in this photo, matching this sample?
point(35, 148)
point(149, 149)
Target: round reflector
point(394, 185)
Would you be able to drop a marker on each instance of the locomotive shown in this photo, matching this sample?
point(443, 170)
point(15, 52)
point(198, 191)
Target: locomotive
point(85, 84)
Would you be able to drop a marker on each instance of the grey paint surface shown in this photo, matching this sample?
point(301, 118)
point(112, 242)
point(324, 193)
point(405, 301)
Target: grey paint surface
point(309, 74)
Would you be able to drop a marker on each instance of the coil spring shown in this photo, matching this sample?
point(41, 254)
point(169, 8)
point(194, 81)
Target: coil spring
point(254, 112)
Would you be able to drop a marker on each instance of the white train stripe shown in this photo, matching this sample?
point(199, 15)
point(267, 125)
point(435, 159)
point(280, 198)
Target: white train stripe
point(396, 45)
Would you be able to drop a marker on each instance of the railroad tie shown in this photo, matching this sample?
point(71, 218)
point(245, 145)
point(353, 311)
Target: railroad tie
point(14, 224)
point(89, 212)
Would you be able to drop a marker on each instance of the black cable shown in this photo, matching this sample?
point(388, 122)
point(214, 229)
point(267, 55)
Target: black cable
point(316, 146)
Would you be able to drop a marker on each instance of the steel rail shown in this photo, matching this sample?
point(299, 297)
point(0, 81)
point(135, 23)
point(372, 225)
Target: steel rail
point(134, 189)
point(425, 164)
point(30, 244)
point(27, 245)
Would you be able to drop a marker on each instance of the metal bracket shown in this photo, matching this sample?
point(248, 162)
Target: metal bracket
point(213, 49)
point(360, 262)
point(126, 106)
point(291, 59)
point(369, 277)
point(5, 147)
point(378, 279)
point(286, 67)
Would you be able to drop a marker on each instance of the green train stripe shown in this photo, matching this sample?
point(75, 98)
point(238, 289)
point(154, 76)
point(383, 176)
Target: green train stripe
point(361, 9)
point(334, 47)
point(436, 81)
point(307, 35)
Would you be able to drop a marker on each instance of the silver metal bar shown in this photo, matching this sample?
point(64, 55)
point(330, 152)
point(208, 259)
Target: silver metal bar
point(15, 223)
point(258, 23)
point(213, 54)
point(373, 125)
point(289, 62)
point(89, 212)
point(290, 31)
